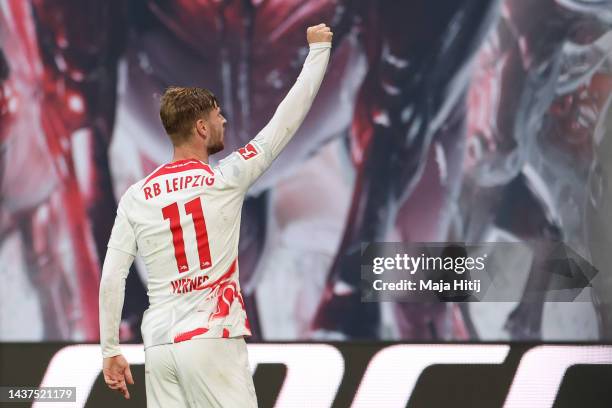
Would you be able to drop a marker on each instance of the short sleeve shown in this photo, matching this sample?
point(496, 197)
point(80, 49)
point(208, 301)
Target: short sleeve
point(122, 236)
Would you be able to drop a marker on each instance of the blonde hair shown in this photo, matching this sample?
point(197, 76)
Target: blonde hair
point(181, 108)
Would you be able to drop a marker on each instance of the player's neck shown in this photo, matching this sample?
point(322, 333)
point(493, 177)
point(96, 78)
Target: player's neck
point(189, 152)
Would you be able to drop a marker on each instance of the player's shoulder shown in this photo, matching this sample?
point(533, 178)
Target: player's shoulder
point(238, 157)
point(240, 167)
point(126, 199)
point(131, 192)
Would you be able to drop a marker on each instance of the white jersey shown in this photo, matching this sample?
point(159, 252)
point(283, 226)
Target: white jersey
point(184, 221)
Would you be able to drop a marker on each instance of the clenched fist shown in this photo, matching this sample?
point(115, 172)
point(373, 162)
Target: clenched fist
point(319, 33)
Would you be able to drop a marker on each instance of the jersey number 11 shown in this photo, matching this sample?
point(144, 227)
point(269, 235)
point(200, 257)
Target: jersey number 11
point(193, 207)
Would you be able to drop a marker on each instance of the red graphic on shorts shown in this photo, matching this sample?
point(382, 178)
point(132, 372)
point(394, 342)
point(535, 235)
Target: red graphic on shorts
point(248, 152)
point(225, 333)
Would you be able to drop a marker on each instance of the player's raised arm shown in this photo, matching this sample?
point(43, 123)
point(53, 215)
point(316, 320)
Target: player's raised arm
point(246, 165)
point(119, 258)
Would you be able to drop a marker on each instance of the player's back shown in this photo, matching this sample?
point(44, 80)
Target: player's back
point(186, 221)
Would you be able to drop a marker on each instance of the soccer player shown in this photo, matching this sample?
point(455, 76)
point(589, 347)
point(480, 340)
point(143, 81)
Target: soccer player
point(184, 220)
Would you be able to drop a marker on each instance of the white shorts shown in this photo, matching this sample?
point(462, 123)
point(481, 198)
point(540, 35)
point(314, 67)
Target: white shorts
point(199, 373)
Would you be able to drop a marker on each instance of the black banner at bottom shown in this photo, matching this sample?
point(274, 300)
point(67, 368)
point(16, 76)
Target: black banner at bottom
point(377, 375)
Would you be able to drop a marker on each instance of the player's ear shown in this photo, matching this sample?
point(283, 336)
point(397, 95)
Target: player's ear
point(201, 128)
